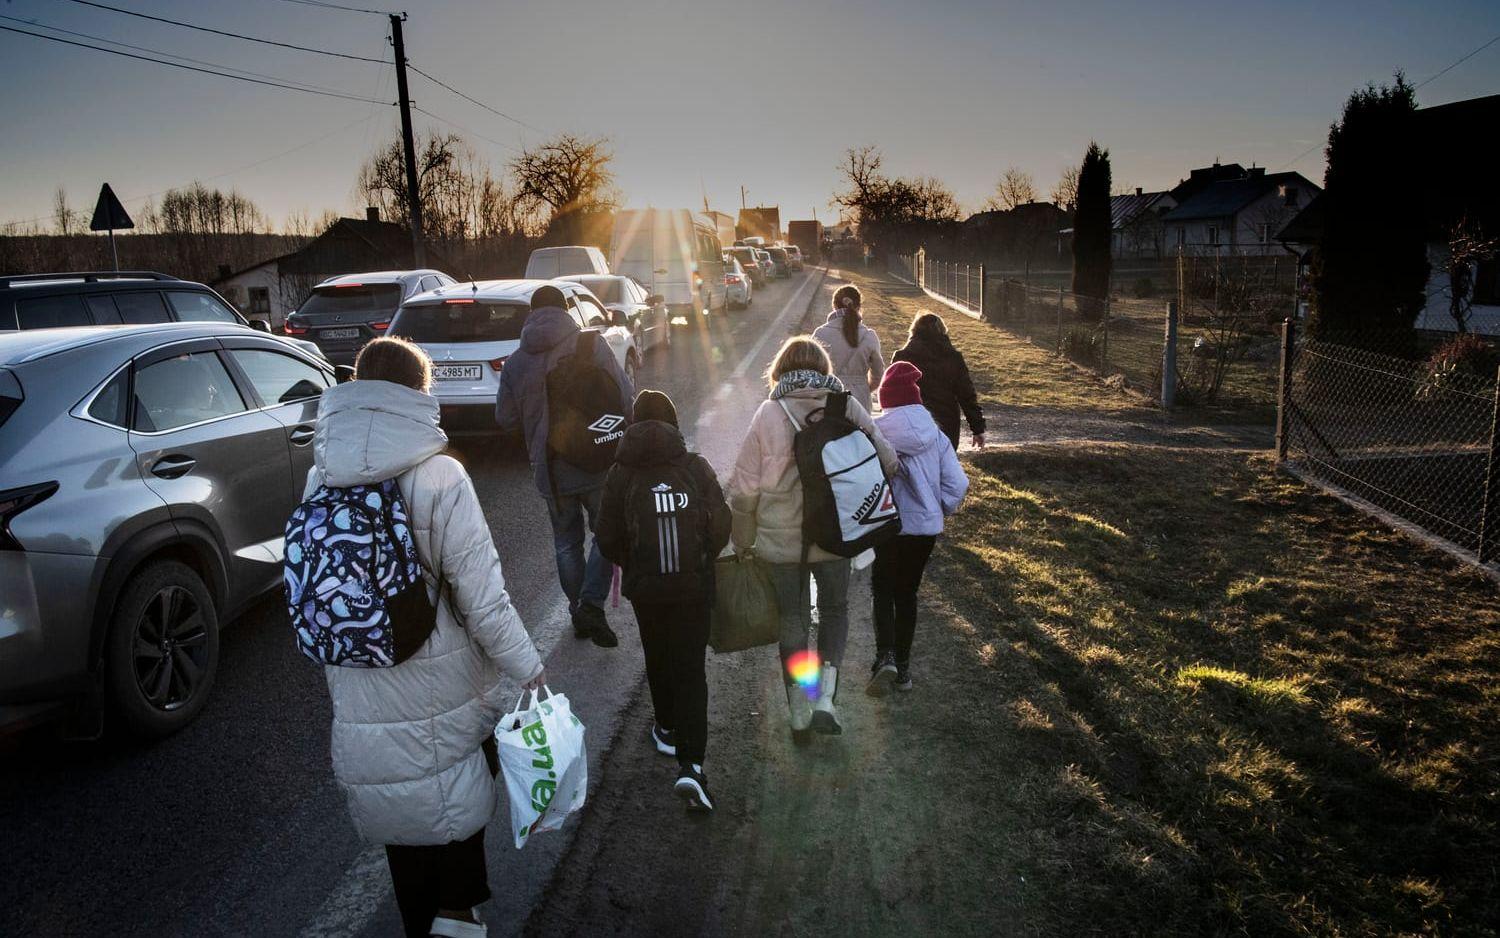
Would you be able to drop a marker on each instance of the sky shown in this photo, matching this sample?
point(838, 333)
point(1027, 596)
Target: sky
point(709, 96)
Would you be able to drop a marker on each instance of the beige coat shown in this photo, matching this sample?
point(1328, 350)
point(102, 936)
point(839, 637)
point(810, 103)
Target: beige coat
point(764, 488)
point(859, 366)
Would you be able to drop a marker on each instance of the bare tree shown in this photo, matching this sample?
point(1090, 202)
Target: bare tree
point(67, 220)
point(1015, 187)
point(1065, 190)
point(565, 176)
point(1467, 249)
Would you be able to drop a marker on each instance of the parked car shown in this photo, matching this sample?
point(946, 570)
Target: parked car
point(108, 298)
point(546, 263)
point(759, 275)
point(794, 257)
point(645, 311)
point(737, 282)
point(674, 253)
point(470, 329)
point(343, 313)
point(148, 471)
point(767, 263)
point(779, 258)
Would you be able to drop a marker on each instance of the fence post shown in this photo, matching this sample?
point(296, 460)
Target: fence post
point(984, 288)
point(1104, 351)
point(1059, 318)
point(1489, 518)
point(1169, 359)
point(1284, 389)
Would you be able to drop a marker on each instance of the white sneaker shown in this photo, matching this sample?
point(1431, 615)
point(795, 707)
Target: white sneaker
point(825, 718)
point(799, 707)
point(454, 928)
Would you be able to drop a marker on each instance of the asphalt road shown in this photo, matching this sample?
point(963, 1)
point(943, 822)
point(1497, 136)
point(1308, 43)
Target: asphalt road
point(235, 826)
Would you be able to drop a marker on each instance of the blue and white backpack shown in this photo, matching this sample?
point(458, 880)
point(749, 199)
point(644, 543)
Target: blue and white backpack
point(354, 587)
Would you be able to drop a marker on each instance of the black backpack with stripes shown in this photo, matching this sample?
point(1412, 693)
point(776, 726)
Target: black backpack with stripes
point(668, 524)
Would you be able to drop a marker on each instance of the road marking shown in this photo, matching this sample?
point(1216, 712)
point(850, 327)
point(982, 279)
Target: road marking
point(778, 328)
point(354, 901)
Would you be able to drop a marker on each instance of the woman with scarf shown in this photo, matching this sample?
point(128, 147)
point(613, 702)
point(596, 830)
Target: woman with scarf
point(853, 347)
point(765, 493)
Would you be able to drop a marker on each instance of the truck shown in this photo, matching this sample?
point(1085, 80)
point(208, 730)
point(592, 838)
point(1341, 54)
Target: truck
point(723, 223)
point(808, 236)
point(764, 222)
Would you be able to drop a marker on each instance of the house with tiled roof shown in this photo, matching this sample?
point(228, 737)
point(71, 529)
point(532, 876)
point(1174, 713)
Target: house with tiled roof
point(273, 289)
point(1135, 223)
point(1238, 215)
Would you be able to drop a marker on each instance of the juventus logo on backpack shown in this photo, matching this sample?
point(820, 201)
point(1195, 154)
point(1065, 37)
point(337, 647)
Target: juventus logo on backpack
point(847, 504)
point(668, 527)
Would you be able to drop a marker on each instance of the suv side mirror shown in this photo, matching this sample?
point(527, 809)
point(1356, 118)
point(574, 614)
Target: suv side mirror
point(618, 318)
point(260, 325)
point(343, 374)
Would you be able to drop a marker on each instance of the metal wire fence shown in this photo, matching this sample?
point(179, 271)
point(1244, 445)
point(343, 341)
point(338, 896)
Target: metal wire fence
point(1224, 356)
point(1415, 441)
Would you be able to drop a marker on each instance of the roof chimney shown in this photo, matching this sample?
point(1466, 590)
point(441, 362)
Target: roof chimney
point(372, 213)
point(1137, 190)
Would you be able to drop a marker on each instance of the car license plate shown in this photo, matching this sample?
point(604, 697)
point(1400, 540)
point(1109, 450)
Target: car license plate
point(339, 334)
point(456, 372)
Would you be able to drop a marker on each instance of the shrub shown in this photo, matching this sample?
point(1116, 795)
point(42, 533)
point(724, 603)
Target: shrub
point(1459, 363)
point(1083, 345)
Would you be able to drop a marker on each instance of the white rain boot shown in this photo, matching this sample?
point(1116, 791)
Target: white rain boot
point(825, 719)
point(799, 707)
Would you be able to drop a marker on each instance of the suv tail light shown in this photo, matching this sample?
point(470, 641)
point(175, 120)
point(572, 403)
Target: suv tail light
point(291, 328)
point(380, 326)
point(15, 501)
point(497, 363)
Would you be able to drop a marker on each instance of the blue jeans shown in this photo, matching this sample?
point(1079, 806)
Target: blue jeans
point(793, 597)
point(582, 581)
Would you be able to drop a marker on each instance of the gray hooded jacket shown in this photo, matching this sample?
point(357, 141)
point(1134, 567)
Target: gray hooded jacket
point(406, 739)
point(521, 404)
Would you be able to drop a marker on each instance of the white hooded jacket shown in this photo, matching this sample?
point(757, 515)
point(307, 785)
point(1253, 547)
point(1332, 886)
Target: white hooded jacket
point(406, 739)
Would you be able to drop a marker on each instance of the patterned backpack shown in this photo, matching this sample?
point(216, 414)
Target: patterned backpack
point(354, 587)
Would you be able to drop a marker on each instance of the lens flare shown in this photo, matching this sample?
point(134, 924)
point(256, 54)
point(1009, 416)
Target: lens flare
point(803, 667)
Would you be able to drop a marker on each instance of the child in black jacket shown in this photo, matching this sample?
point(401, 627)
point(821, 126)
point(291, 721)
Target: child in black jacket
point(664, 521)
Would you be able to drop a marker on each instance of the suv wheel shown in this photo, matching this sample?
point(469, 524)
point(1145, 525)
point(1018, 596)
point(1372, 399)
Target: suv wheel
point(631, 367)
point(162, 651)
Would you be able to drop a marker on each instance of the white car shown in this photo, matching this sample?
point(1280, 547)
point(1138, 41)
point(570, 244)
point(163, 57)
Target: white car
point(646, 312)
point(546, 263)
point(470, 329)
point(737, 283)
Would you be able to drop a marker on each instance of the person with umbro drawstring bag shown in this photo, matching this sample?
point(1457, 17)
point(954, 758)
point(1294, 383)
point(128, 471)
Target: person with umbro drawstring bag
point(664, 521)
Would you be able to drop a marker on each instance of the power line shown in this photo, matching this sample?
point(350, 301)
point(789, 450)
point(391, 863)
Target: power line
point(339, 6)
point(228, 172)
point(192, 68)
point(464, 129)
point(221, 32)
point(498, 113)
point(170, 55)
point(1459, 62)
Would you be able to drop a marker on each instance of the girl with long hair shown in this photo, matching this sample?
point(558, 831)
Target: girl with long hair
point(853, 347)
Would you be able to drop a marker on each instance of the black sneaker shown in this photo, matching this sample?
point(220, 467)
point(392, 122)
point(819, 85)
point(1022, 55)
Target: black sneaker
point(664, 740)
point(692, 788)
point(903, 677)
point(882, 673)
point(589, 622)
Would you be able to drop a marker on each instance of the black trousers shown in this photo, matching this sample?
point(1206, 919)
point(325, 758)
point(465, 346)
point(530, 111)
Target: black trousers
point(897, 573)
point(440, 876)
point(674, 637)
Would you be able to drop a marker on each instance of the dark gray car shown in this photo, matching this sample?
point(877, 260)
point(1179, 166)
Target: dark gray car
point(146, 475)
point(344, 313)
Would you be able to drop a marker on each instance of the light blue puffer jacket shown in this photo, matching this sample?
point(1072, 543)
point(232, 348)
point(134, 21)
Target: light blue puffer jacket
point(931, 483)
point(406, 739)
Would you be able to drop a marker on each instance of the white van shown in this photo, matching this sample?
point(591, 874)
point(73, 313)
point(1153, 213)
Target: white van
point(673, 253)
point(546, 263)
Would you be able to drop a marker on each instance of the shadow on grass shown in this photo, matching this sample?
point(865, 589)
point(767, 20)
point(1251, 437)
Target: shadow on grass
point(1245, 707)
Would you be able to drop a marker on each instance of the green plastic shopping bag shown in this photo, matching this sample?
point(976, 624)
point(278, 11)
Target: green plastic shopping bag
point(745, 614)
point(545, 765)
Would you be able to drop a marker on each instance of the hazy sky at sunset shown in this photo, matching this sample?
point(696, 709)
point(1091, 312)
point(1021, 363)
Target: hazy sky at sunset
point(761, 93)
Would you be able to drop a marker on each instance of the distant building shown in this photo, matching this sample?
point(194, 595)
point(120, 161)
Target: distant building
point(1135, 223)
point(1230, 214)
point(1455, 183)
point(273, 289)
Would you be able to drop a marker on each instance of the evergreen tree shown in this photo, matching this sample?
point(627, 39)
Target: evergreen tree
point(1369, 274)
point(1091, 254)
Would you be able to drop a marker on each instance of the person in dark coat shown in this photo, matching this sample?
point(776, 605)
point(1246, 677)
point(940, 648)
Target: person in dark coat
point(946, 386)
point(664, 521)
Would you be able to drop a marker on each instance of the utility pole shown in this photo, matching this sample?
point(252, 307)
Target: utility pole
point(742, 198)
point(413, 196)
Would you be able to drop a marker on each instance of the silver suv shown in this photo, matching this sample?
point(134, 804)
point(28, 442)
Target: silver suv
point(146, 474)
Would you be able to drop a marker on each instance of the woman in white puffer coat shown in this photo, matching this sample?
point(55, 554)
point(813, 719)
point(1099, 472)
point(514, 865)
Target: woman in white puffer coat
point(409, 741)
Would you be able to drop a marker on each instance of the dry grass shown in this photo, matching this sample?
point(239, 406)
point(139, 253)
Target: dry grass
point(1229, 705)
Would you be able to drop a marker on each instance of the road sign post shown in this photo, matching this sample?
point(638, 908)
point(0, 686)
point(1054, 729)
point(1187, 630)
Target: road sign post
point(109, 214)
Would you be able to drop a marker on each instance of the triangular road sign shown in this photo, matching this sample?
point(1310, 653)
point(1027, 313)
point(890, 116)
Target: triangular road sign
point(109, 214)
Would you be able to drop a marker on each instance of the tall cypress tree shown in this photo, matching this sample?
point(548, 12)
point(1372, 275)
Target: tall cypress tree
point(1369, 274)
point(1091, 257)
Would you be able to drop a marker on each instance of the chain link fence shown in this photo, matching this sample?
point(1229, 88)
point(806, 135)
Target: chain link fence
point(1416, 442)
point(1226, 346)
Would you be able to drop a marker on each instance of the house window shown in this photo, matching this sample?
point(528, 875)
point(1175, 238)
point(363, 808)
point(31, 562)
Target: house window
point(1213, 234)
point(1290, 196)
point(1487, 283)
point(260, 302)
